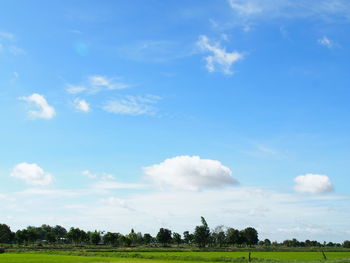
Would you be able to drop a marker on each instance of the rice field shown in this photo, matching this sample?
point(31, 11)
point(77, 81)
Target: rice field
point(173, 257)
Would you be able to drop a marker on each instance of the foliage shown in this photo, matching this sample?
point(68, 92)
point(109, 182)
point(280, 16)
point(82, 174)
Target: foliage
point(164, 236)
point(6, 235)
point(202, 234)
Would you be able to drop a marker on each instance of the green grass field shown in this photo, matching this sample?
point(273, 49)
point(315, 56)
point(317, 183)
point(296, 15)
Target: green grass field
point(171, 257)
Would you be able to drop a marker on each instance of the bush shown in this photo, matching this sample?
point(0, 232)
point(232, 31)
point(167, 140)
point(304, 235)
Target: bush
point(2, 250)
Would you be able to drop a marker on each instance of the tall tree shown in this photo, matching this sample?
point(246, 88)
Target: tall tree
point(6, 235)
point(177, 238)
point(164, 236)
point(202, 234)
point(251, 236)
point(233, 236)
point(94, 237)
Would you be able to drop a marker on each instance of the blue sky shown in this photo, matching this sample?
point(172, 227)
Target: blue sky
point(151, 114)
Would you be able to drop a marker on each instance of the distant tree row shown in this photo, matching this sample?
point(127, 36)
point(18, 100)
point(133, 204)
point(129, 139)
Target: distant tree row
point(202, 236)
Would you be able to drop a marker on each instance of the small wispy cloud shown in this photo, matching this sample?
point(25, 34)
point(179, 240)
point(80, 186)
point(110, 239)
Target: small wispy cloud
point(7, 44)
point(110, 185)
point(43, 109)
point(95, 84)
point(271, 9)
point(220, 60)
point(325, 41)
point(74, 89)
point(89, 174)
point(7, 35)
point(81, 105)
point(132, 105)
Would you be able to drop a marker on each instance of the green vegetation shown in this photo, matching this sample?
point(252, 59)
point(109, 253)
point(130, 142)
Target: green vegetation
point(172, 257)
point(221, 244)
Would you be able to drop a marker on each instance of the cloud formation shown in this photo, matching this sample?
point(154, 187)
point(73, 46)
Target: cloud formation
point(89, 174)
point(81, 105)
point(132, 105)
point(269, 9)
point(325, 41)
point(313, 184)
point(32, 174)
point(95, 84)
point(110, 184)
point(190, 173)
point(43, 111)
point(220, 59)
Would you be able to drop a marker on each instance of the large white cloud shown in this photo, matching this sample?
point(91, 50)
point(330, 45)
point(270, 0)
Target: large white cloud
point(313, 184)
point(220, 58)
point(190, 173)
point(44, 110)
point(32, 174)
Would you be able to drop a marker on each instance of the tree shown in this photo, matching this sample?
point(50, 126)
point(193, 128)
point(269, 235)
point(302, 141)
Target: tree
point(77, 236)
point(59, 231)
point(95, 237)
point(111, 238)
point(32, 234)
point(164, 236)
point(177, 238)
point(6, 235)
point(251, 236)
point(188, 238)
point(147, 238)
point(233, 236)
point(51, 237)
point(202, 234)
point(267, 242)
point(21, 236)
point(346, 244)
point(218, 236)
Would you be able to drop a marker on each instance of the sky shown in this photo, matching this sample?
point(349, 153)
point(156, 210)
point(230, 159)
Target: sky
point(147, 114)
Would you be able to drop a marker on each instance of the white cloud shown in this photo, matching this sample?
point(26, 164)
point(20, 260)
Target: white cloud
point(32, 174)
point(89, 174)
point(270, 9)
point(109, 185)
point(116, 202)
point(16, 50)
point(107, 177)
point(220, 59)
point(44, 110)
point(313, 184)
point(7, 35)
point(109, 83)
point(74, 89)
point(7, 41)
point(190, 173)
point(81, 105)
point(325, 41)
point(132, 105)
point(245, 8)
point(95, 84)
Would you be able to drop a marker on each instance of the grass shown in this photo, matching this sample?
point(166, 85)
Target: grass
point(46, 258)
point(306, 256)
point(82, 256)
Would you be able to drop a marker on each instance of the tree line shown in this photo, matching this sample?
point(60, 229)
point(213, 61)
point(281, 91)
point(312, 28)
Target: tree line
point(201, 237)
